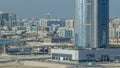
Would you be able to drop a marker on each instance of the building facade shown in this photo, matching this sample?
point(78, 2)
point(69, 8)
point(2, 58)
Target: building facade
point(7, 19)
point(86, 55)
point(91, 23)
point(114, 31)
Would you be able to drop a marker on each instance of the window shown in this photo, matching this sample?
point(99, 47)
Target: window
point(69, 59)
point(53, 57)
point(64, 58)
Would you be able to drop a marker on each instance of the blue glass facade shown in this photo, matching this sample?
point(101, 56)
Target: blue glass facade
point(91, 23)
point(7, 19)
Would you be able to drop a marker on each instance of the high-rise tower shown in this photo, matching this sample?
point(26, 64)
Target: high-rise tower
point(91, 23)
point(7, 19)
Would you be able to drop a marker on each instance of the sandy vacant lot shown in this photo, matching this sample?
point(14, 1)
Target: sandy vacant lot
point(36, 64)
point(16, 65)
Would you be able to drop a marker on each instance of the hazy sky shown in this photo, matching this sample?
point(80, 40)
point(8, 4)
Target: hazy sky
point(39, 8)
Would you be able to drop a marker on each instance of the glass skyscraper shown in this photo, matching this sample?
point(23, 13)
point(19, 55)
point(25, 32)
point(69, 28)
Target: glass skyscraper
point(91, 23)
point(7, 19)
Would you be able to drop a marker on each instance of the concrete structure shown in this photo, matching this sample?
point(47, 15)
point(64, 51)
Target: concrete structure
point(85, 55)
point(65, 55)
point(5, 43)
point(61, 40)
point(69, 23)
point(114, 31)
point(61, 32)
point(44, 22)
point(61, 23)
point(91, 23)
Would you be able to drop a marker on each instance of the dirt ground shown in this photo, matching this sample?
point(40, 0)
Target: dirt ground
point(16, 65)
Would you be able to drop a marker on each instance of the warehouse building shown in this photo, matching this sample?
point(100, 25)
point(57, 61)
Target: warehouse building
point(86, 55)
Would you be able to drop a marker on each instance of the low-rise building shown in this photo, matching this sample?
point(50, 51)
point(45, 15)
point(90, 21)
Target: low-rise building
point(85, 55)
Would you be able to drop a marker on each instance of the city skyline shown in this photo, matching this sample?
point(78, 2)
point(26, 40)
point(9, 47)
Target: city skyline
point(62, 33)
point(39, 8)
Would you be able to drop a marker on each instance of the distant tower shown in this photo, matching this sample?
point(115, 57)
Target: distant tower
point(91, 23)
point(7, 19)
point(48, 16)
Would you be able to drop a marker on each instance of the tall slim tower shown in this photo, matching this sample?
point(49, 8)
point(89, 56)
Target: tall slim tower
point(91, 23)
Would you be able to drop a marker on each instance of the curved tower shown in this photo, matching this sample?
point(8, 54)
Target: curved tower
point(91, 23)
